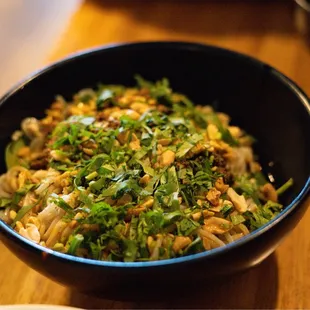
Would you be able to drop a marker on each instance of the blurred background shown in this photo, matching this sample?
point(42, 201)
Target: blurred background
point(28, 31)
point(35, 32)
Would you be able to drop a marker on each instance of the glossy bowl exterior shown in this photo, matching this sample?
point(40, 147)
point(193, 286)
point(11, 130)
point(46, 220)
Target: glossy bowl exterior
point(257, 97)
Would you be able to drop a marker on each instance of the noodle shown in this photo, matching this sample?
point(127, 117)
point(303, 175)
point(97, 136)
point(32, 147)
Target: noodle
point(133, 174)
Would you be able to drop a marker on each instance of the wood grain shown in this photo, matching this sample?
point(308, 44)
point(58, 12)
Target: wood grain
point(263, 30)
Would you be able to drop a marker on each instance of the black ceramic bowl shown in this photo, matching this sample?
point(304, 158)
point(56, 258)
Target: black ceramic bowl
point(257, 97)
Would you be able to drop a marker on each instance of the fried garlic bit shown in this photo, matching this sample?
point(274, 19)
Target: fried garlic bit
point(132, 174)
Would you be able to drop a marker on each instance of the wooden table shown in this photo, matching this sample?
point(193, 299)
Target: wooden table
point(265, 31)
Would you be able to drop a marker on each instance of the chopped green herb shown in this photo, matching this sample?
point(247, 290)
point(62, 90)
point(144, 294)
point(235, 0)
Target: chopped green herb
point(133, 174)
point(285, 187)
point(75, 243)
point(237, 219)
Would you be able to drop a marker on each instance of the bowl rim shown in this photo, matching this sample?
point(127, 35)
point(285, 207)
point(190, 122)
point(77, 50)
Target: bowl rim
point(301, 197)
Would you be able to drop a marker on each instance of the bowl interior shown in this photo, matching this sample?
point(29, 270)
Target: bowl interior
point(257, 97)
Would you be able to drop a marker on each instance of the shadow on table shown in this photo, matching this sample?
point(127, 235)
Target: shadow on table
point(207, 17)
point(253, 289)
